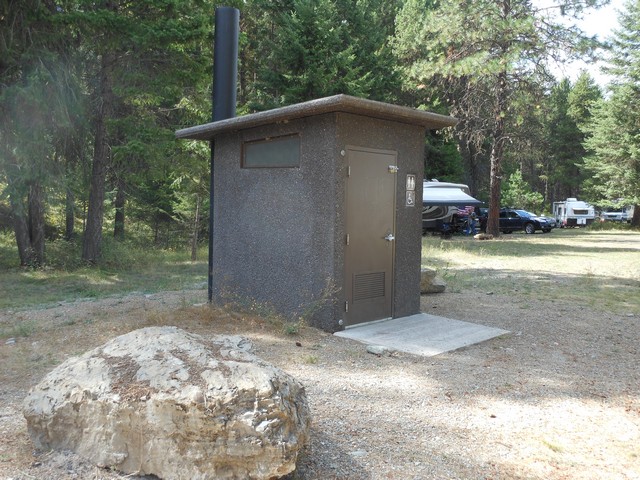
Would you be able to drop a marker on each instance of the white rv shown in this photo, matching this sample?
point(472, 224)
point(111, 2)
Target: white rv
point(573, 213)
point(440, 202)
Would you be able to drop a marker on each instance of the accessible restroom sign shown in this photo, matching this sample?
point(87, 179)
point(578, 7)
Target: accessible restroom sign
point(411, 191)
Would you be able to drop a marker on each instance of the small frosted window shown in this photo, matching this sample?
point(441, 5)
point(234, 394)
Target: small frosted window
point(272, 153)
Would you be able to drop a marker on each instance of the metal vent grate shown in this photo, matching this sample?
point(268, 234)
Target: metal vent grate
point(368, 285)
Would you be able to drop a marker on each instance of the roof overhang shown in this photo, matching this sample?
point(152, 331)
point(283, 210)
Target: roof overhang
point(447, 196)
point(336, 103)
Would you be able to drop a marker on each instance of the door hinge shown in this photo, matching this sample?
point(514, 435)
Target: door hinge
point(347, 239)
point(393, 169)
point(348, 170)
point(346, 306)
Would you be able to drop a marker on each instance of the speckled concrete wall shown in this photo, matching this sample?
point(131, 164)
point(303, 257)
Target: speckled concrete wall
point(274, 228)
point(279, 232)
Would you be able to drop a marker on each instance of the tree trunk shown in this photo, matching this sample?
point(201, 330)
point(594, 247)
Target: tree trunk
point(92, 243)
point(493, 220)
point(497, 152)
point(156, 230)
point(464, 147)
point(69, 211)
point(28, 226)
point(18, 190)
point(120, 200)
point(21, 229)
point(635, 220)
point(36, 223)
point(196, 228)
point(470, 158)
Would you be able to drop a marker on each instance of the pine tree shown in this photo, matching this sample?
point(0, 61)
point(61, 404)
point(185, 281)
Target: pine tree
point(614, 133)
point(482, 52)
point(564, 140)
point(517, 192)
point(318, 48)
point(36, 102)
point(140, 56)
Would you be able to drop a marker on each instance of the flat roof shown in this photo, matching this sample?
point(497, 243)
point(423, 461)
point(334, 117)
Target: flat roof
point(447, 196)
point(336, 103)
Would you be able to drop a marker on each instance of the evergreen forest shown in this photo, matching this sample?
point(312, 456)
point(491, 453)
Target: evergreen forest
point(91, 93)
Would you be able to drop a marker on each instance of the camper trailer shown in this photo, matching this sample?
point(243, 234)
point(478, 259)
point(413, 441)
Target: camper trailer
point(573, 213)
point(441, 202)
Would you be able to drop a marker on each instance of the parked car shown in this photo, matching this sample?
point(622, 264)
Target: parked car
point(619, 215)
point(552, 221)
point(512, 220)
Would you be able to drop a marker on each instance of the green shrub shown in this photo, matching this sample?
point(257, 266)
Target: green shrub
point(125, 266)
point(604, 226)
point(8, 250)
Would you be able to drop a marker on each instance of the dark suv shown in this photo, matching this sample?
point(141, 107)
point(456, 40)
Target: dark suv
point(512, 220)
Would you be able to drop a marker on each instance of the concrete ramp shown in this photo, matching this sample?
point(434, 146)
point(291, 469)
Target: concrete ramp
point(421, 334)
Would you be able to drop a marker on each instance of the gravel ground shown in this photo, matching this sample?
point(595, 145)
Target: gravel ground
point(558, 398)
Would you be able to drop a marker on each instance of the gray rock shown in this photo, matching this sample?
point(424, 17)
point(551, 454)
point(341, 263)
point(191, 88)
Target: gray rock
point(166, 402)
point(428, 272)
point(378, 349)
point(358, 453)
point(431, 282)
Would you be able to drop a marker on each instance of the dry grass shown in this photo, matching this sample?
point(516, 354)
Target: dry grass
point(599, 269)
point(557, 399)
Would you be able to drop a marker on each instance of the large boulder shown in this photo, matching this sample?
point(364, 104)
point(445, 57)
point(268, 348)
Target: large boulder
point(177, 405)
point(431, 282)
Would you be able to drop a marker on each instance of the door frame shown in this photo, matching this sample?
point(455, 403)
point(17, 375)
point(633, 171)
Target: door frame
point(348, 275)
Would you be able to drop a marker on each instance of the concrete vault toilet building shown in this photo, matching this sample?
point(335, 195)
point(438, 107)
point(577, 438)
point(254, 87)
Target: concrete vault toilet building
point(317, 211)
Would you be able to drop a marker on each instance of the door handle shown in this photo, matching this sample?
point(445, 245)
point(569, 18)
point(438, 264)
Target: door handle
point(390, 237)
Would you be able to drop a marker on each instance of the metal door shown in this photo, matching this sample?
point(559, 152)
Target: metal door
point(370, 228)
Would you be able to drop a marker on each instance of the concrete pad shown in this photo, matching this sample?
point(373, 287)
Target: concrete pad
point(421, 334)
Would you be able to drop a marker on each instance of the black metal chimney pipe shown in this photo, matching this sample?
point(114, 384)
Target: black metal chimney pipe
point(225, 73)
point(225, 62)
